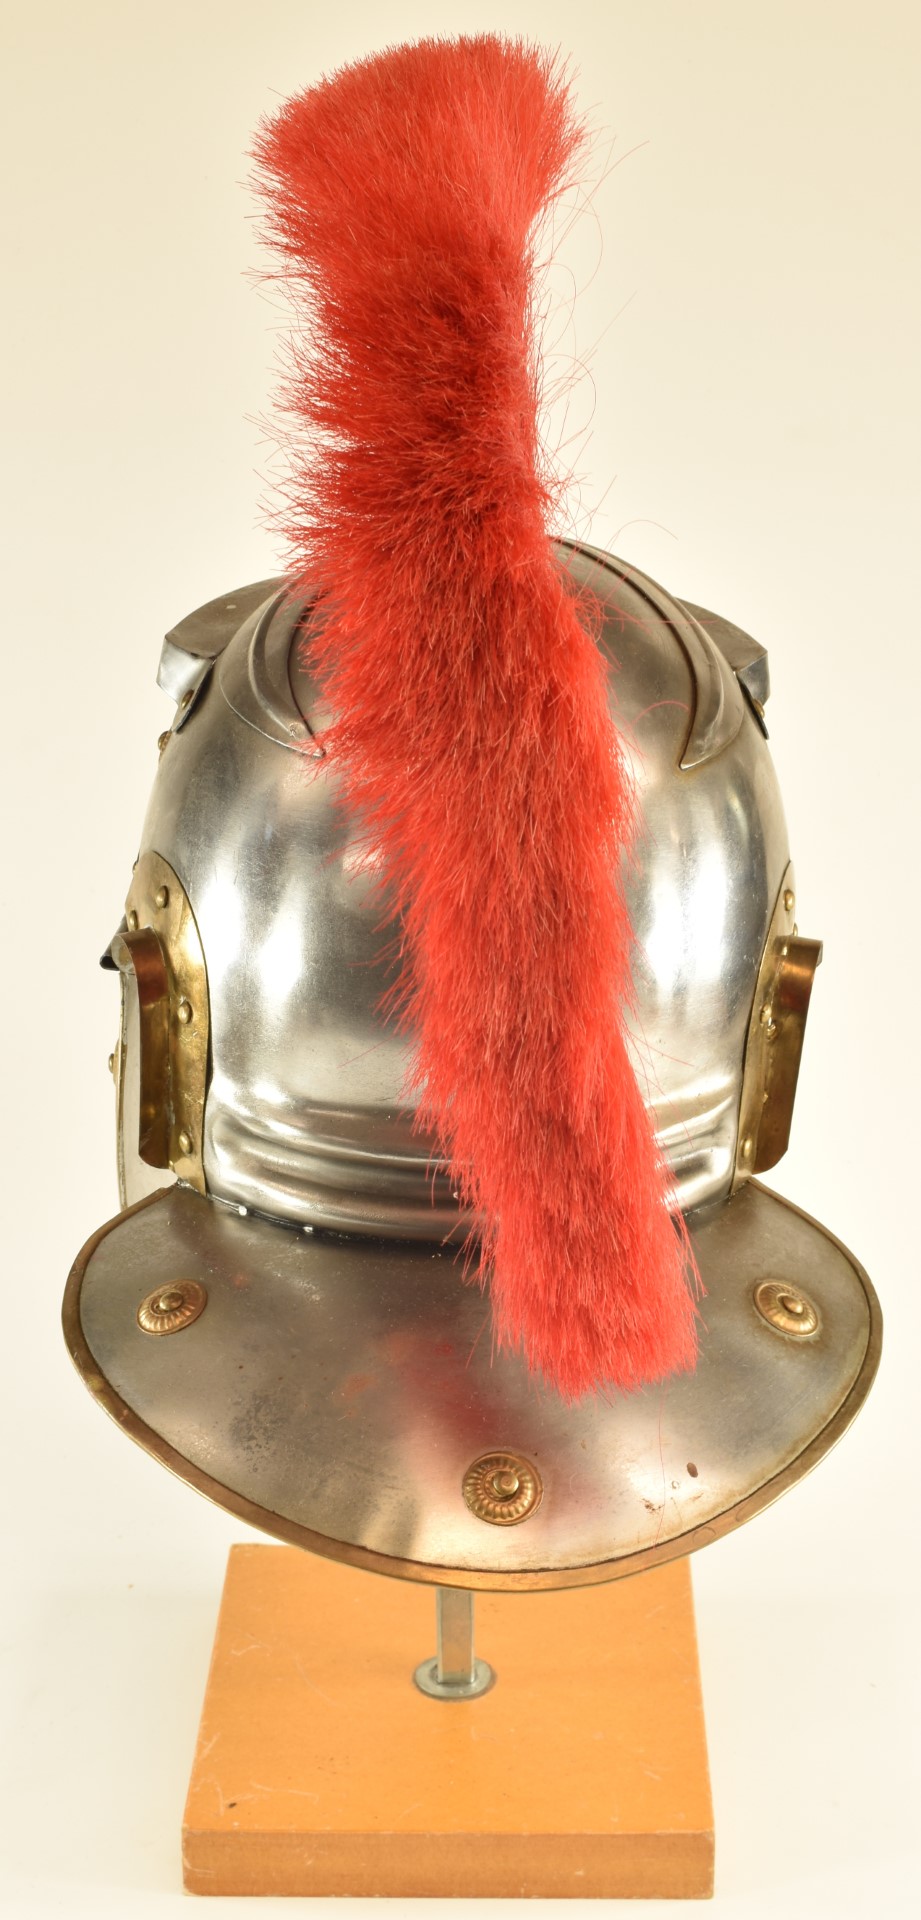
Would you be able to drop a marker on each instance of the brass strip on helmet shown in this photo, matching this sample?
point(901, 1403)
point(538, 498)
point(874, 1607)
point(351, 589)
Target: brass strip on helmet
point(159, 955)
point(138, 953)
point(775, 1039)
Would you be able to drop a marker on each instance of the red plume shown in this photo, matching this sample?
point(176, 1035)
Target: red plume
point(471, 726)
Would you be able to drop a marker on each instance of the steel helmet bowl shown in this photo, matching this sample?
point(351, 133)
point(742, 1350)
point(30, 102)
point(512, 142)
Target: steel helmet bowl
point(280, 1313)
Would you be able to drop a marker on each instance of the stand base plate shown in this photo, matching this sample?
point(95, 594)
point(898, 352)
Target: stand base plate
point(321, 1768)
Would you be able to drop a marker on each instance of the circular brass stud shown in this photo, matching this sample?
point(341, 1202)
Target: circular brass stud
point(184, 1142)
point(172, 1306)
point(186, 700)
point(786, 1309)
point(161, 897)
point(502, 1488)
point(748, 1148)
point(111, 1063)
point(789, 899)
point(162, 739)
point(133, 921)
point(184, 1013)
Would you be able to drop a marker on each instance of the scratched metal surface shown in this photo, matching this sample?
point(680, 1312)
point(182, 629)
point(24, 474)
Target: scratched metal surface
point(335, 1390)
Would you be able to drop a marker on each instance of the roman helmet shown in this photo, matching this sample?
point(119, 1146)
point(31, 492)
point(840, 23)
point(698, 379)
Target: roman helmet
point(373, 951)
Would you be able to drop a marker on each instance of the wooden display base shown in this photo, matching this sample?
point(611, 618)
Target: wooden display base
point(321, 1769)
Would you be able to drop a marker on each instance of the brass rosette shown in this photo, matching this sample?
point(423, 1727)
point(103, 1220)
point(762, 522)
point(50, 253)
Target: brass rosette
point(168, 1309)
point(503, 1488)
point(786, 1308)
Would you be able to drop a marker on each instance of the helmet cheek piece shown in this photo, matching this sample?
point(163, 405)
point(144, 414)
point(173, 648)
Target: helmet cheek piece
point(775, 1039)
point(161, 1064)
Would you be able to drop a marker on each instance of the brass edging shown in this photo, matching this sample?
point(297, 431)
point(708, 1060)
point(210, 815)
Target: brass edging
point(531, 1580)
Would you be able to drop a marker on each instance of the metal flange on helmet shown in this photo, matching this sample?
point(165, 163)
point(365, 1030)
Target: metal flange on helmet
point(281, 1312)
point(338, 1386)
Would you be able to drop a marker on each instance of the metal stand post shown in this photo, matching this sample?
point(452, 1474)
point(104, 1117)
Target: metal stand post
point(455, 1673)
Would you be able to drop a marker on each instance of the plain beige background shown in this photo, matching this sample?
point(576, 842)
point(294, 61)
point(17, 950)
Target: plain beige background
point(749, 309)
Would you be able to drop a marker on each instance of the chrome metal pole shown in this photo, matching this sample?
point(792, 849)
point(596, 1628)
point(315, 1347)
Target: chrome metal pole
point(455, 1673)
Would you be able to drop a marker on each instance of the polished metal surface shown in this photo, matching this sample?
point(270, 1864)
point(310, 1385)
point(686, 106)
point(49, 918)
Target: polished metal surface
point(190, 647)
point(747, 658)
point(307, 1118)
point(455, 1673)
point(337, 1390)
point(204, 633)
point(341, 1390)
point(717, 709)
point(255, 680)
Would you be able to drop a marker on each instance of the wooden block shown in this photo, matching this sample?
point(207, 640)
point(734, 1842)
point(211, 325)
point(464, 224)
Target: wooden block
point(321, 1769)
